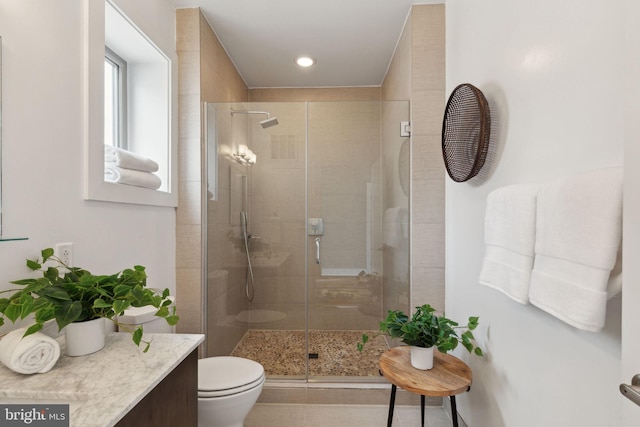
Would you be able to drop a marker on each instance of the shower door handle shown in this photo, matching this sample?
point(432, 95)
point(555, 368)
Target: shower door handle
point(317, 250)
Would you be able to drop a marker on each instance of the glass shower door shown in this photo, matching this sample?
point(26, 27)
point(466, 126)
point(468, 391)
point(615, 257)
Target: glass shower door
point(276, 222)
point(346, 199)
point(326, 203)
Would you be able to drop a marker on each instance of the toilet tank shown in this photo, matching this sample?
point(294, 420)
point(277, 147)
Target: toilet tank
point(145, 316)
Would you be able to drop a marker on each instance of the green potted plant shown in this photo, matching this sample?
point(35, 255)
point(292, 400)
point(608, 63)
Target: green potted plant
point(425, 331)
point(74, 296)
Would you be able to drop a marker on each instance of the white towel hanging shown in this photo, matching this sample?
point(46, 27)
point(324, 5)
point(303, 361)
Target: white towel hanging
point(579, 229)
point(509, 235)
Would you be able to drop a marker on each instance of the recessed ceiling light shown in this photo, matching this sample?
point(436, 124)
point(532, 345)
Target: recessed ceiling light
point(305, 61)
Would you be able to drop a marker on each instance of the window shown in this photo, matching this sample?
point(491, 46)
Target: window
point(115, 99)
point(131, 98)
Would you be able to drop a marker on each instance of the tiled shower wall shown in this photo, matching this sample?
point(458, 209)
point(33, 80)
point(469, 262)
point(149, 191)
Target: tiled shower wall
point(428, 175)
point(205, 74)
point(343, 155)
point(416, 73)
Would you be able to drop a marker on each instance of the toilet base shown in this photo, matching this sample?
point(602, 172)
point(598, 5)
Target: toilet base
point(227, 411)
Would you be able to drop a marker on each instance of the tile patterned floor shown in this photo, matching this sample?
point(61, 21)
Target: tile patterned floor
point(282, 353)
point(286, 415)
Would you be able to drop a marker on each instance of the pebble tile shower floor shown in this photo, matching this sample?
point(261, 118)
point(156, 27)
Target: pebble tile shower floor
point(283, 353)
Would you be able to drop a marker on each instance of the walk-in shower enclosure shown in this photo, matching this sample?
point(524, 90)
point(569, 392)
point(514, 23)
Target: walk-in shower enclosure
point(326, 199)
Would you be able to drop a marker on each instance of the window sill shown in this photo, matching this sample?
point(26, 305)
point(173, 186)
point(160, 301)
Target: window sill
point(122, 193)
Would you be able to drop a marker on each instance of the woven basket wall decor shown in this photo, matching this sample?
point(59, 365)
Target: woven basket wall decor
point(466, 129)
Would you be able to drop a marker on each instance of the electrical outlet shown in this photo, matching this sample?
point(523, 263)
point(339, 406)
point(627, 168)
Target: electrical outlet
point(64, 251)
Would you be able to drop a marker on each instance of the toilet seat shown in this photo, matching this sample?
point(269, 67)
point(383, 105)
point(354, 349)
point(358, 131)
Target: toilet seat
point(227, 375)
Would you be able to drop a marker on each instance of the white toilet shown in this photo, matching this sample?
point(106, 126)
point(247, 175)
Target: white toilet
point(228, 387)
point(145, 316)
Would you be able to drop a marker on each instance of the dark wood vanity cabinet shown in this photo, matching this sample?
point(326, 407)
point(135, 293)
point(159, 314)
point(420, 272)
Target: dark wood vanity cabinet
point(173, 402)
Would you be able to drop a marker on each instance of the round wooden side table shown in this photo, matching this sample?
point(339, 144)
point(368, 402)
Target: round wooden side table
point(448, 377)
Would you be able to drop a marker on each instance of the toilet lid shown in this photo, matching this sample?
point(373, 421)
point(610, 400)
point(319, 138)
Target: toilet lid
point(231, 391)
point(227, 372)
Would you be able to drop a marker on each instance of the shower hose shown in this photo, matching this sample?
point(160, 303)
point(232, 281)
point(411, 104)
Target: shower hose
point(249, 284)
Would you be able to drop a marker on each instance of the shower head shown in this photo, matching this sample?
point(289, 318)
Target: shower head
point(266, 123)
point(270, 121)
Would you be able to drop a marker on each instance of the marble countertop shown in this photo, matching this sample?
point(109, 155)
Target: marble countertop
point(101, 388)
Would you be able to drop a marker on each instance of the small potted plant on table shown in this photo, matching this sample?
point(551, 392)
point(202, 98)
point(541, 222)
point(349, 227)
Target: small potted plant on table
point(75, 297)
point(425, 331)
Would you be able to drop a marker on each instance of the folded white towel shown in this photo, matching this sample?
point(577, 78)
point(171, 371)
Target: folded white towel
point(120, 175)
point(128, 160)
point(579, 230)
point(509, 236)
point(33, 354)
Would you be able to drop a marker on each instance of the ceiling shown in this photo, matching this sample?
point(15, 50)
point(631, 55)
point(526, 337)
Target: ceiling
point(352, 40)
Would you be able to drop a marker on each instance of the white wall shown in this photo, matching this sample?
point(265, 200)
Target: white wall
point(553, 74)
point(631, 219)
point(43, 149)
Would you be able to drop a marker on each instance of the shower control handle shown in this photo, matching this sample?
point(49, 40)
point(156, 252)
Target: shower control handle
point(317, 250)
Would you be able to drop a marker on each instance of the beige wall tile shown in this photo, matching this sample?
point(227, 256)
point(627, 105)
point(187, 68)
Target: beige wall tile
point(327, 396)
point(189, 203)
point(428, 201)
point(188, 298)
point(188, 246)
point(220, 81)
point(190, 322)
point(189, 279)
point(280, 395)
point(189, 72)
point(428, 287)
point(427, 162)
point(428, 173)
point(187, 29)
point(428, 66)
point(315, 94)
point(189, 116)
point(189, 162)
point(201, 63)
point(189, 208)
point(428, 25)
point(427, 245)
point(427, 112)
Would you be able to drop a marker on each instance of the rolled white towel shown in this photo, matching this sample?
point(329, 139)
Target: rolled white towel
point(33, 354)
point(120, 175)
point(128, 160)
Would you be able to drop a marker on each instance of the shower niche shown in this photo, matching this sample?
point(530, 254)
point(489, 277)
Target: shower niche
point(335, 161)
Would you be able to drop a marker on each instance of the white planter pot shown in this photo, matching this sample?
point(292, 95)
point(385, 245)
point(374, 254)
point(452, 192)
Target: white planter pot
point(422, 358)
point(84, 338)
